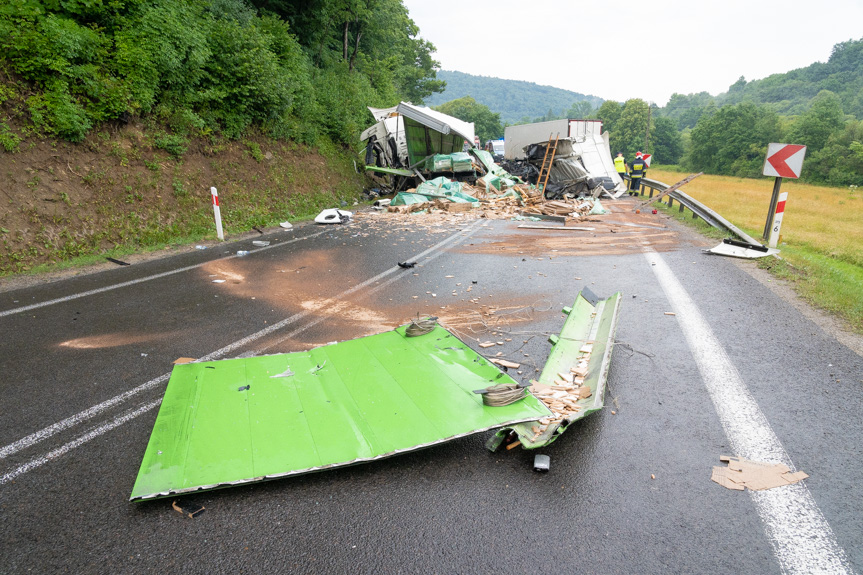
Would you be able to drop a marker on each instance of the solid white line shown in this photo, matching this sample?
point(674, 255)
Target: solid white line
point(145, 279)
point(92, 434)
point(802, 540)
point(91, 412)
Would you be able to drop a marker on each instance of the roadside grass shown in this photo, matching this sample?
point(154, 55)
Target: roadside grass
point(821, 239)
point(136, 238)
point(145, 206)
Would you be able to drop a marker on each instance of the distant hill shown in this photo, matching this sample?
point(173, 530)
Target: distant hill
point(512, 99)
point(790, 93)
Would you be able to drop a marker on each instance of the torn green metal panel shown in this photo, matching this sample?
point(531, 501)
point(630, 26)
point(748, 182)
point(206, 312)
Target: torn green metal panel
point(245, 420)
point(393, 171)
point(590, 321)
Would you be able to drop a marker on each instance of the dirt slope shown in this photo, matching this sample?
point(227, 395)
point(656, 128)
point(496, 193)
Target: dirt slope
point(120, 190)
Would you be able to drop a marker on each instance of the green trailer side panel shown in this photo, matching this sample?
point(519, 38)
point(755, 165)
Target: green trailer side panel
point(243, 420)
point(423, 141)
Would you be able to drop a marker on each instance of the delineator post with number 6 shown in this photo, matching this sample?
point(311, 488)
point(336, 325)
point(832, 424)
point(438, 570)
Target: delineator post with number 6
point(218, 214)
point(783, 161)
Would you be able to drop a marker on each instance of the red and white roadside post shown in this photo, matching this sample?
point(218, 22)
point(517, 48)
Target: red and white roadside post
point(218, 213)
point(783, 161)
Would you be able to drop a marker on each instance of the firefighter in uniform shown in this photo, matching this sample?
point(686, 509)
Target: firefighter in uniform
point(620, 166)
point(636, 172)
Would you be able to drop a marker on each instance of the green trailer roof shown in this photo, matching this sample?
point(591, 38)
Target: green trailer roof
point(230, 422)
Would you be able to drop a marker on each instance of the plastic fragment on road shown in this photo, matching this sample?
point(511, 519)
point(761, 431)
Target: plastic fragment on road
point(346, 403)
point(738, 249)
point(742, 473)
point(541, 463)
point(572, 383)
point(333, 216)
point(286, 225)
point(597, 209)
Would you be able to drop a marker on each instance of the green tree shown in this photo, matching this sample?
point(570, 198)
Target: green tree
point(609, 112)
point(665, 141)
point(579, 110)
point(486, 123)
point(630, 130)
point(685, 110)
point(840, 161)
point(823, 118)
point(733, 141)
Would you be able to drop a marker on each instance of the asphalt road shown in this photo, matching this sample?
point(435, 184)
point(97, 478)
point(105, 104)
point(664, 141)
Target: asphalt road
point(735, 371)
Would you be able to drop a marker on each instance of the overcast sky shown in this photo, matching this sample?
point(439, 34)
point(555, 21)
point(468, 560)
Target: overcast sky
point(620, 50)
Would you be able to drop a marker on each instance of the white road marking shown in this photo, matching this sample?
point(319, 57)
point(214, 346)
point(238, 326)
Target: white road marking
point(145, 279)
point(92, 434)
point(802, 540)
point(91, 412)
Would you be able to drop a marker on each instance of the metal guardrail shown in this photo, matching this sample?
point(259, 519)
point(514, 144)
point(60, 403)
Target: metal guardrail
point(698, 209)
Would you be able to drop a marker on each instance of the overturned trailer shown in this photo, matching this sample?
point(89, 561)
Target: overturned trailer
point(417, 142)
point(582, 161)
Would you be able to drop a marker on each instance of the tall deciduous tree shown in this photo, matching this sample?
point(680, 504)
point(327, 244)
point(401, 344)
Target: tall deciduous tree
point(666, 143)
point(631, 128)
point(579, 110)
point(823, 118)
point(486, 123)
point(734, 140)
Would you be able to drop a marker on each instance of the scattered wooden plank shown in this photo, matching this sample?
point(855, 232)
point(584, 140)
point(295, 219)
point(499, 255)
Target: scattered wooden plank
point(558, 228)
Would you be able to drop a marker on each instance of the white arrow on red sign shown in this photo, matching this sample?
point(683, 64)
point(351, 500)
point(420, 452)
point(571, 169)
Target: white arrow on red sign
point(784, 160)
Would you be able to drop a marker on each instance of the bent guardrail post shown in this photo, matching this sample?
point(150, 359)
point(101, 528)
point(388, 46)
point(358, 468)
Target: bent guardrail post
point(575, 374)
point(748, 248)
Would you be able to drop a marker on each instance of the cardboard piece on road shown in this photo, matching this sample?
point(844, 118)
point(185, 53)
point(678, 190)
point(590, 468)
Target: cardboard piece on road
point(230, 422)
point(743, 473)
point(180, 360)
point(455, 206)
point(190, 510)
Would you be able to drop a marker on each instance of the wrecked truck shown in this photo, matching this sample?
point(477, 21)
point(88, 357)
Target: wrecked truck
point(582, 164)
point(410, 144)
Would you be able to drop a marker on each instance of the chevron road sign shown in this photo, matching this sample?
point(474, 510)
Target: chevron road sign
point(784, 160)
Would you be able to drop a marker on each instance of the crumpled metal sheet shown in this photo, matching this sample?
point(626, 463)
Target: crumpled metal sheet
point(245, 420)
point(595, 154)
point(590, 323)
point(568, 169)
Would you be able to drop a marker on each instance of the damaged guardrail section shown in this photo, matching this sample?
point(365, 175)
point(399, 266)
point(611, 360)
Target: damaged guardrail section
point(572, 384)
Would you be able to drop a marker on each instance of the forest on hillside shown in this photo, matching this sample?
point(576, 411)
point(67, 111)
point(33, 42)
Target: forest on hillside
point(516, 101)
point(819, 106)
point(300, 70)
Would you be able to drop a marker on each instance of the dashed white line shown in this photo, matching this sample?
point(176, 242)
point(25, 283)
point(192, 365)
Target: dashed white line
point(144, 279)
point(92, 434)
point(802, 540)
point(91, 412)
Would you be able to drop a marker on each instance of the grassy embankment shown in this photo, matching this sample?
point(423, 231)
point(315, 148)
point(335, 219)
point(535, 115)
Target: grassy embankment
point(821, 239)
point(120, 192)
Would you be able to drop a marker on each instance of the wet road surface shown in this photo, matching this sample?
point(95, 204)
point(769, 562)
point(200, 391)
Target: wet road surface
point(736, 370)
